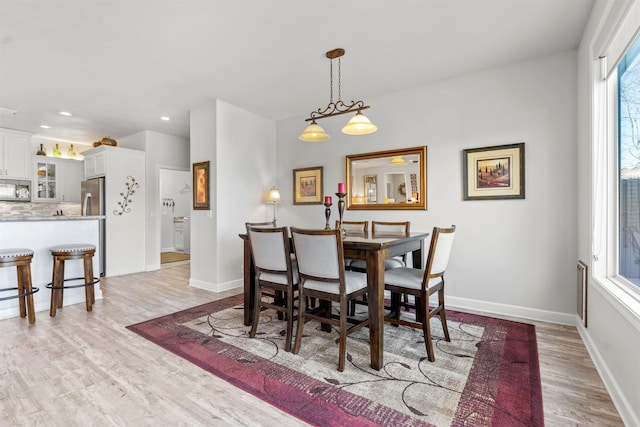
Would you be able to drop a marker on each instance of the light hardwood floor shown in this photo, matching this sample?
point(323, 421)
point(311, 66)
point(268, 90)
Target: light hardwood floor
point(81, 369)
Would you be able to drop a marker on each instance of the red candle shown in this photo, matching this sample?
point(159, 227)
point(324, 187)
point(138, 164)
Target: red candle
point(342, 188)
point(327, 200)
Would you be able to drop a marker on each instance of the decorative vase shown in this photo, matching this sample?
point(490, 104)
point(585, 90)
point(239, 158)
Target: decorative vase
point(71, 154)
point(56, 151)
point(41, 151)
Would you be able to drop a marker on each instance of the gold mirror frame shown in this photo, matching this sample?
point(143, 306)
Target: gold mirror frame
point(390, 179)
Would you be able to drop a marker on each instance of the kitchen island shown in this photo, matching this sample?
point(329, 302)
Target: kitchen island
point(39, 234)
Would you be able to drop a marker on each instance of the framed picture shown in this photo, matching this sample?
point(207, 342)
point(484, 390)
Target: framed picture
point(494, 172)
point(307, 186)
point(201, 185)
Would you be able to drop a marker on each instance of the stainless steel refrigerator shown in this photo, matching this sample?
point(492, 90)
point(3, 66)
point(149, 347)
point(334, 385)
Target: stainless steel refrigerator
point(93, 203)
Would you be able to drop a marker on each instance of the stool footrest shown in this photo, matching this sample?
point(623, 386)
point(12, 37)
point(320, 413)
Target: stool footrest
point(24, 294)
point(95, 280)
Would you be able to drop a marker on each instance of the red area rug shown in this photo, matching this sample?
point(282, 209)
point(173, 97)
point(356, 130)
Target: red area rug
point(488, 375)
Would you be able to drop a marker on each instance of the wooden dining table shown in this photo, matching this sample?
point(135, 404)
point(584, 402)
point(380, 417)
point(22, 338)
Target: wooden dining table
point(372, 248)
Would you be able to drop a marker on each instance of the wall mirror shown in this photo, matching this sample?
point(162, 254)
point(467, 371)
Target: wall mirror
point(392, 179)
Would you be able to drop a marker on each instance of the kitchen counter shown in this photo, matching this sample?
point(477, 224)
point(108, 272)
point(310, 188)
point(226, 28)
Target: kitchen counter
point(50, 218)
point(39, 234)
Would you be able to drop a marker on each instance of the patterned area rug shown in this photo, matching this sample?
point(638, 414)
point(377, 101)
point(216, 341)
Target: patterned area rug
point(488, 375)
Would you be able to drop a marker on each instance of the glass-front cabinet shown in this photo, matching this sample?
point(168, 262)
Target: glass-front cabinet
point(46, 180)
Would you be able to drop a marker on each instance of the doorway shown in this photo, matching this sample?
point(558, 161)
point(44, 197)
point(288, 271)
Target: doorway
point(175, 196)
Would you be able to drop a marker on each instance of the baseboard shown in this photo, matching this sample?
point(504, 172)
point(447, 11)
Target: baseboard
point(39, 306)
point(492, 308)
point(153, 267)
point(623, 406)
point(216, 287)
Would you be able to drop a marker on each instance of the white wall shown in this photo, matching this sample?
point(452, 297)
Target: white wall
point(245, 171)
point(511, 256)
point(204, 232)
point(241, 149)
point(162, 151)
point(613, 333)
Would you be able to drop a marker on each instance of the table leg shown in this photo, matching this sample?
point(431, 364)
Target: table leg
point(249, 278)
point(375, 290)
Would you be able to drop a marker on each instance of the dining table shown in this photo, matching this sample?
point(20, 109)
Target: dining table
point(374, 249)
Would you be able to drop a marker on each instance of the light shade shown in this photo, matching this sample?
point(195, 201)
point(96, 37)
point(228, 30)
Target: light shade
point(398, 161)
point(314, 133)
point(273, 196)
point(359, 125)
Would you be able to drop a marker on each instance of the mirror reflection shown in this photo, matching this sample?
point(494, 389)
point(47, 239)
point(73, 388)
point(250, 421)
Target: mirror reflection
point(393, 179)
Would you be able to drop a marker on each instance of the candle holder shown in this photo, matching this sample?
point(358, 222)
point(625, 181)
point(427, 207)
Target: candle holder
point(327, 214)
point(341, 212)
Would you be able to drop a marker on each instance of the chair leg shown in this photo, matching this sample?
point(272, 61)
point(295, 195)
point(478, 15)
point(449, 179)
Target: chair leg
point(88, 278)
point(256, 310)
point(342, 350)
point(395, 307)
point(443, 316)
point(21, 280)
point(301, 309)
point(426, 329)
point(27, 287)
point(287, 345)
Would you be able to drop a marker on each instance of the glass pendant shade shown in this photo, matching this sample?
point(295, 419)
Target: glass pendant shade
point(398, 161)
point(314, 133)
point(359, 125)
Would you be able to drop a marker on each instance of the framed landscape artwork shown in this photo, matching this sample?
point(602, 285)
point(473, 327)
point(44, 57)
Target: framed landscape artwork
point(494, 172)
point(201, 185)
point(307, 186)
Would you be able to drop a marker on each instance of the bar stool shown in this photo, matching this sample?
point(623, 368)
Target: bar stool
point(61, 254)
point(21, 259)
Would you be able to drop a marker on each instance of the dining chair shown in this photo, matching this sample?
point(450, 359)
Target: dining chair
point(353, 228)
point(276, 276)
point(323, 276)
point(261, 224)
point(380, 228)
point(422, 284)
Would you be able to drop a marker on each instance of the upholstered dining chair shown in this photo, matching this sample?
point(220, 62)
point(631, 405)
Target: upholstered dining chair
point(323, 276)
point(261, 224)
point(380, 228)
point(276, 276)
point(422, 284)
point(353, 228)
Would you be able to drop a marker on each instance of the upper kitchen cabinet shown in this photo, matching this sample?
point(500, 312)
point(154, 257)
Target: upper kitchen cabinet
point(94, 163)
point(14, 154)
point(57, 180)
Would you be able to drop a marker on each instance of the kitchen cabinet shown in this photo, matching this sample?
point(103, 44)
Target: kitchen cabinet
point(14, 154)
point(57, 180)
point(94, 163)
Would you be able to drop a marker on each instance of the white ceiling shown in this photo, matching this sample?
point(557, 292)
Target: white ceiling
point(119, 65)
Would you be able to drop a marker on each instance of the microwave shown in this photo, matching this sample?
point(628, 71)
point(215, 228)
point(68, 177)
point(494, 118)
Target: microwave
point(14, 190)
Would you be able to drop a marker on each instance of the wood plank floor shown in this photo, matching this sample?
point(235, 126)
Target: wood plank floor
point(80, 368)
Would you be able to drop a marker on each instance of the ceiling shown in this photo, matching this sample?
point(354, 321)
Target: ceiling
point(120, 65)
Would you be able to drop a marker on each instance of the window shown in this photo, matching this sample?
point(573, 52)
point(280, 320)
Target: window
point(628, 135)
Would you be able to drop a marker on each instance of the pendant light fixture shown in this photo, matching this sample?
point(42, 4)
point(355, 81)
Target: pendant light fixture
point(359, 123)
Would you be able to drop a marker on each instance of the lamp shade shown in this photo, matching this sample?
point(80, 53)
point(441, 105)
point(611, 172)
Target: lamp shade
point(314, 133)
point(398, 161)
point(359, 125)
point(273, 196)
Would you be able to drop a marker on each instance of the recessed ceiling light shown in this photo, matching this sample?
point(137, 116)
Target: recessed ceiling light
point(165, 118)
point(65, 113)
point(45, 127)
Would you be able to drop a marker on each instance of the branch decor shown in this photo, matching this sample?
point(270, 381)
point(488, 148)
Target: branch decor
point(131, 189)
